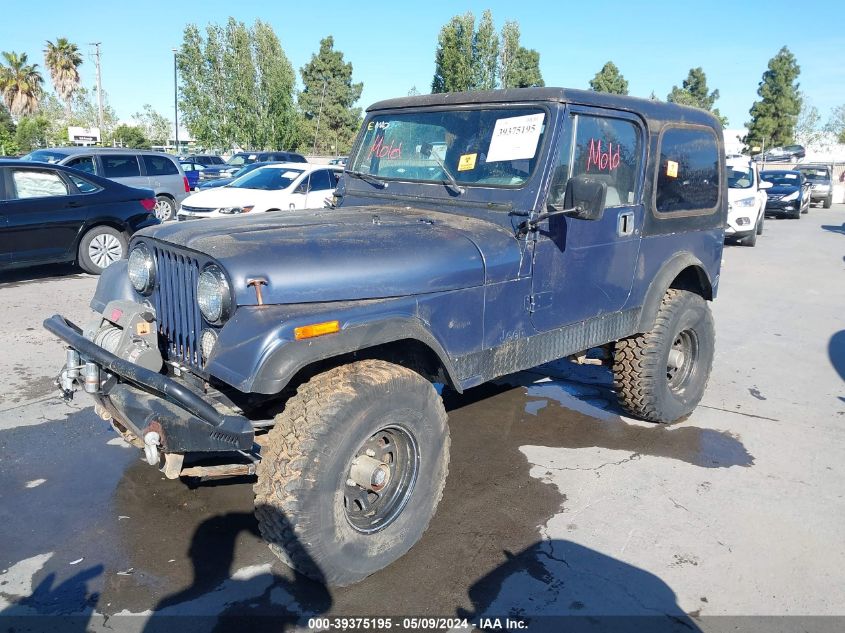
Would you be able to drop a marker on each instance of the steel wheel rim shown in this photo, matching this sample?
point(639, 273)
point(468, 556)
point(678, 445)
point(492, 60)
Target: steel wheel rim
point(368, 511)
point(162, 209)
point(104, 250)
point(682, 361)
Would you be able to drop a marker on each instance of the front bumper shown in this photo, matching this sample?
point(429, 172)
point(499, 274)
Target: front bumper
point(145, 401)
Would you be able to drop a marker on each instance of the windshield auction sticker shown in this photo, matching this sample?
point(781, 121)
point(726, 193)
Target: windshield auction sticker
point(515, 138)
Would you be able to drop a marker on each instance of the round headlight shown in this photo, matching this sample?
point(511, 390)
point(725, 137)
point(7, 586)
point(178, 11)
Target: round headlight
point(141, 269)
point(213, 295)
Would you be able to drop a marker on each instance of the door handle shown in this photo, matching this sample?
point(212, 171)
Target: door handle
point(625, 224)
point(74, 204)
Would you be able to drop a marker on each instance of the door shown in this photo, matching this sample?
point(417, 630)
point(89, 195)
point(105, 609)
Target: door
point(163, 175)
point(320, 187)
point(585, 268)
point(123, 168)
point(44, 215)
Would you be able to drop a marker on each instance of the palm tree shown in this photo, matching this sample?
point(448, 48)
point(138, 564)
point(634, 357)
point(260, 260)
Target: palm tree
point(20, 83)
point(62, 59)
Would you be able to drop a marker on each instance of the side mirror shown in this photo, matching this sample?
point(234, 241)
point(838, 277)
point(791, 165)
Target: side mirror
point(765, 184)
point(586, 197)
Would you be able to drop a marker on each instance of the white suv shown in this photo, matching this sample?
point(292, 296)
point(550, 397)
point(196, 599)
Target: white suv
point(746, 201)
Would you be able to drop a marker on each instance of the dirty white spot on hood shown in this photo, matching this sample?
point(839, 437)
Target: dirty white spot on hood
point(34, 483)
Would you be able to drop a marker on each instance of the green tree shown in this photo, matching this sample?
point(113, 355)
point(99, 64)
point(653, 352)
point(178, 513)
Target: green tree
point(525, 70)
point(21, 84)
point(609, 79)
point(327, 102)
point(236, 87)
point(155, 126)
point(808, 128)
point(278, 118)
point(485, 54)
point(8, 146)
point(454, 64)
point(31, 132)
point(519, 67)
point(63, 60)
point(130, 136)
point(774, 116)
point(836, 123)
point(694, 92)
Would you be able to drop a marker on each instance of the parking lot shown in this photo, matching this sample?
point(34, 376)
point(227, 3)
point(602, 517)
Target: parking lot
point(555, 503)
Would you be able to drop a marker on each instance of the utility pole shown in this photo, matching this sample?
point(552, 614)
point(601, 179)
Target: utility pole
point(319, 114)
point(96, 46)
point(176, 101)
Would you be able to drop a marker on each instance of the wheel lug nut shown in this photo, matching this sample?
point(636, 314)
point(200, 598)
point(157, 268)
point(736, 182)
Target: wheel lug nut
point(370, 452)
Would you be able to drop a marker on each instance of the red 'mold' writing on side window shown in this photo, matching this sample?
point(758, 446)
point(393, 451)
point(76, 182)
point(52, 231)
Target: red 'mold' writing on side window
point(603, 160)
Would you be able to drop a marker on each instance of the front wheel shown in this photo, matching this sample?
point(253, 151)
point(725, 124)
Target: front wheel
point(661, 375)
point(353, 470)
point(828, 202)
point(760, 223)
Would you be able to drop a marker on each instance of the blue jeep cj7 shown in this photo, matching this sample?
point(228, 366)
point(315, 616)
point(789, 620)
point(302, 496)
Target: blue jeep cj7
point(474, 235)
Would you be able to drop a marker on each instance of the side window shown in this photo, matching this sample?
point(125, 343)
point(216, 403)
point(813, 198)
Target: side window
point(688, 171)
point(159, 166)
point(120, 165)
point(321, 181)
point(335, 177)
point(605, 148)
point(84, 186)
point(37, 183)
point(82, 163)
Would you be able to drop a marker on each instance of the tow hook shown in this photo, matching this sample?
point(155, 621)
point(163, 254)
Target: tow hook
point(151, 442)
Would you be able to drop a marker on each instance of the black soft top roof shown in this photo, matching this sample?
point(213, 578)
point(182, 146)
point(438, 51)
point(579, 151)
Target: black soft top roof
point(651, 110)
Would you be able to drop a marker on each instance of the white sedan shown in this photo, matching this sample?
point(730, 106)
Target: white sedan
point(273, 187)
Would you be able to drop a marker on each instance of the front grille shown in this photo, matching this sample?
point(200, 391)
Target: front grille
point(196, 209)
point(179, 318)
point(772, 197)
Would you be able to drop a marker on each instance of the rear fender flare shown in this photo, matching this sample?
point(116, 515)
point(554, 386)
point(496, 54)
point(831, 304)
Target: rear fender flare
point(663, 281)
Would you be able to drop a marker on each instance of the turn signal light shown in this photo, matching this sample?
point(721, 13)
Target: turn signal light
point(148, 203)
point(316, 329)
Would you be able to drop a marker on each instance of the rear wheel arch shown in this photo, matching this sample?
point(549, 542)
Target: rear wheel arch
point(683, 272)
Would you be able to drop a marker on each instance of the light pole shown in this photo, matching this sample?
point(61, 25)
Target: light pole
point(319, 114)
point(175, 101)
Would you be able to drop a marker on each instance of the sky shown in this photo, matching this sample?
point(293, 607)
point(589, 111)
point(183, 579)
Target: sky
point(391, 45)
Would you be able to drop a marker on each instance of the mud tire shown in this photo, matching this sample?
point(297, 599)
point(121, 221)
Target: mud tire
point(299, 494)
point(640, 362)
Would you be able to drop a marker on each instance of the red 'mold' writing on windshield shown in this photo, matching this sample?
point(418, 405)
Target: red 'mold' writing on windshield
point(380, 150)
point(603, 160)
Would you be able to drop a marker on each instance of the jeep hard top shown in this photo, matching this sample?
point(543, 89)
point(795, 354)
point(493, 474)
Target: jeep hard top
point(474, 235)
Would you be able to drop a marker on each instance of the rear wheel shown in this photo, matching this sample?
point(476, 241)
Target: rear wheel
point(353, 470)
point(661, 375)
point(99, 248)
point(164, 208)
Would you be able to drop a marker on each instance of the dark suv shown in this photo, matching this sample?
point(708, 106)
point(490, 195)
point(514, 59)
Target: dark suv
point(237, 161)
point(475, 235)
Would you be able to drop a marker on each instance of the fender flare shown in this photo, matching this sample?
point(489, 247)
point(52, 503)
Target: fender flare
point(282, 362)
point(663, 281)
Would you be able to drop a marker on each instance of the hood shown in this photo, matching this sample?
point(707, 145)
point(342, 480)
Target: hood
point(741, 194)
point(350, 253)
point(235, 196)
point(782, 190)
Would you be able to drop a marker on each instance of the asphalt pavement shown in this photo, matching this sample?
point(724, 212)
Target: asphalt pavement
point(555, 504)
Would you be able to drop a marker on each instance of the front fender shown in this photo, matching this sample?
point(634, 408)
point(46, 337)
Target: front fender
point(257, 351)
point(113, 284)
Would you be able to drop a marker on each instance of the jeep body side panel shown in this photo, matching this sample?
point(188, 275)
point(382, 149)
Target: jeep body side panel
point(257, 350)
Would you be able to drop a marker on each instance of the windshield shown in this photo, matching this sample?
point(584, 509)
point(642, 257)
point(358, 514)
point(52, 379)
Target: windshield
point(486, 148)
point(781, 178)
point(740, 177)
point(267, 178)
point(44, 156)
point(816, 175)
point(239, 160)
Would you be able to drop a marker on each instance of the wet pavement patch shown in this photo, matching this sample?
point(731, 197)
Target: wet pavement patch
point(147, 543)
